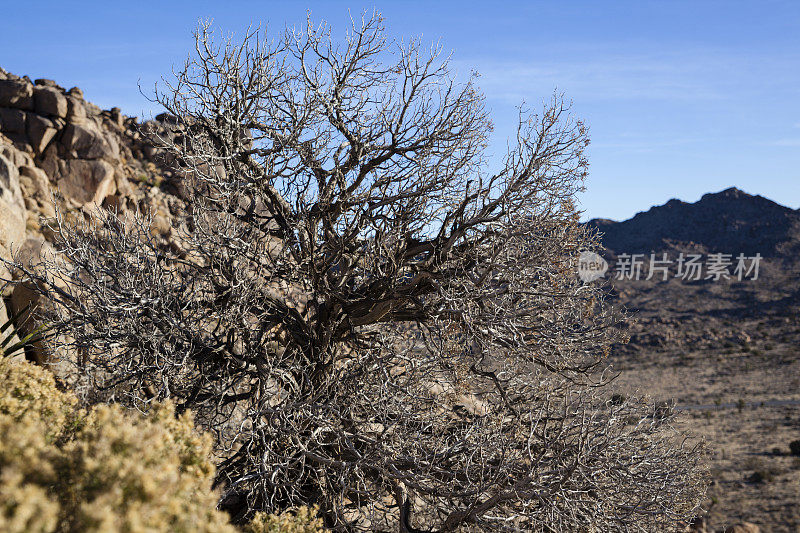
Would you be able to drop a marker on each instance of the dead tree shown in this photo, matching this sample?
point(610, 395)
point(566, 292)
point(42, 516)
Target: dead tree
point(367, 316)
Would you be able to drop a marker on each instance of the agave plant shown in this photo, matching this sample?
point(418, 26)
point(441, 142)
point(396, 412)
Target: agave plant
point(9, 348)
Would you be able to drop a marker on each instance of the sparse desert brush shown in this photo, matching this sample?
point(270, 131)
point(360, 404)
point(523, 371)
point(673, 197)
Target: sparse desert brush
point(741, 404)
point(794, 447)
point(764, 476)
point(763, 471)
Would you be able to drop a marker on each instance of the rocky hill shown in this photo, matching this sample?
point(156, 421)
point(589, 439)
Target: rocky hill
point(685, 308)
point(60, 152)
point(727, 221)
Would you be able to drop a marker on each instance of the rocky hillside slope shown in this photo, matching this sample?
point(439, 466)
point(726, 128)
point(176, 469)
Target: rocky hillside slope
point(59, 152)
point(707, 311)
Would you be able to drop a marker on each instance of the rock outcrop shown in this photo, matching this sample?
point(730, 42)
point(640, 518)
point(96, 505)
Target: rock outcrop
point(59, 152)
point(12, 204)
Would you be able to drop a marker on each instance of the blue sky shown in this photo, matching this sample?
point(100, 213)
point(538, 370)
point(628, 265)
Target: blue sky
point(682, 98)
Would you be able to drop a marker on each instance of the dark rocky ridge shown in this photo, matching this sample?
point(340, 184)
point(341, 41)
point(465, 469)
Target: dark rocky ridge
point(730, 221)
point(702, 313)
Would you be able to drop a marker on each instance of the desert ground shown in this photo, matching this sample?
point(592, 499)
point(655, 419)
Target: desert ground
point(741, 396)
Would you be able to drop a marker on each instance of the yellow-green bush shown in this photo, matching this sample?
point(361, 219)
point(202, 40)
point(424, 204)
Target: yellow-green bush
point(29, 392)
point(64, 469)
point(302, 521)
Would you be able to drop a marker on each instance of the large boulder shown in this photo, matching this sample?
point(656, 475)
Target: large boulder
point(85, 182)
point(12, 208)
point(86, 141)
point(37, 192)
point(40, 132)
point(50, 101)
point(17, 157)
point(16, 93)
point(35, 255)
point(76, 111)
point(12, 121)
point(24, 299)
point(46, 82)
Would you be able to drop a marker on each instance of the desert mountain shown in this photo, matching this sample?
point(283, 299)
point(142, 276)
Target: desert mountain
point(730, 221)
point(671, 308)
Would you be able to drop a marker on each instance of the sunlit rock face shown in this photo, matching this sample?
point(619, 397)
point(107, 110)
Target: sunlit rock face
point(60, 154)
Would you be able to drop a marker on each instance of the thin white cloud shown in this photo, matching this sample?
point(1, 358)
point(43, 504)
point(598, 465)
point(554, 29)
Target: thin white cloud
point(608, 79)
point(623, 75)
point(790, 142)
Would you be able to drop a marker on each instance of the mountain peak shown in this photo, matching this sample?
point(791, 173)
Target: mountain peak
point(728, 221)
point(729, 193)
